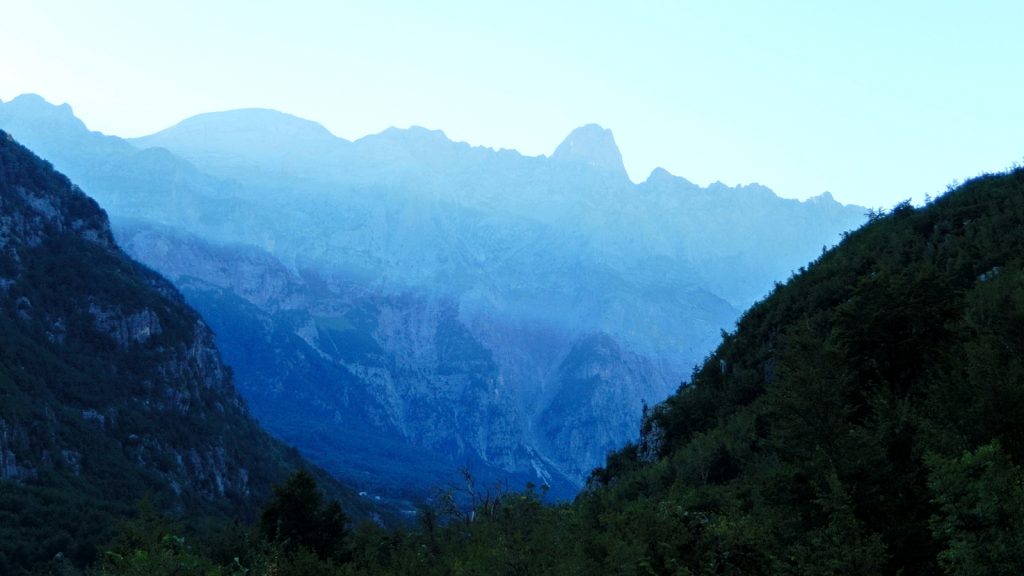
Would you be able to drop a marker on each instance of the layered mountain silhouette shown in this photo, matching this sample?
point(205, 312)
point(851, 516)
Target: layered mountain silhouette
point(432, 302)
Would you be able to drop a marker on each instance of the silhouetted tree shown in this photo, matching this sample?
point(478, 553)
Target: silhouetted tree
point(298, 517)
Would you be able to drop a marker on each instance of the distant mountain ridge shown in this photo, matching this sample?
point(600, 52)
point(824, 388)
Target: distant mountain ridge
point(528, 257)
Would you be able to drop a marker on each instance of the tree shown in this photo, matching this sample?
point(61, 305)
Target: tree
point(981, 512)
point(152, 545)
point(297, 517)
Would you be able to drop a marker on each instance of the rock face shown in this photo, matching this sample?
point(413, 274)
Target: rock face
point(48, 225)
point(598, 380)
point(592, 146)
point(372, 373)
point(509, 312)
point(112, 386)
point(11, 437)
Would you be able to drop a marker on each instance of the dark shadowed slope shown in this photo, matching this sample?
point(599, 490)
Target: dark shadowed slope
point(866, 417)
point(111, 387)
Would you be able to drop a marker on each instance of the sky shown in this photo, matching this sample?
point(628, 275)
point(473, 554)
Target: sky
point(874, 101)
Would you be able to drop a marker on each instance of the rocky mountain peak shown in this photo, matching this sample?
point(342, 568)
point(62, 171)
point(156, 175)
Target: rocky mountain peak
point(35, 108)
point(593, 146)
point(414, 134)
point(823, 198)
point(38, 202)
point(29, 103)
point(661, 178)
point(422, 141)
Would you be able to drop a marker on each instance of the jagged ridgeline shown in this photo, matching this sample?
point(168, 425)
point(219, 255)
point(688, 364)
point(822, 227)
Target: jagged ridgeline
point(866, 417)
point(111, 387)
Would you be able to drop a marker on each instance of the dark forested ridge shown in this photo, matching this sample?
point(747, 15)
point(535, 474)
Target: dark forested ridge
point(111, 389)
point(867, 417)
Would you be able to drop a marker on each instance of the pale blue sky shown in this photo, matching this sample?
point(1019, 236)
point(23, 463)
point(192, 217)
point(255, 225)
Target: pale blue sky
point(873, 101)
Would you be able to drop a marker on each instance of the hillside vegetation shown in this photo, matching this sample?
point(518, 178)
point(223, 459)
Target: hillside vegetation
point(867, 417)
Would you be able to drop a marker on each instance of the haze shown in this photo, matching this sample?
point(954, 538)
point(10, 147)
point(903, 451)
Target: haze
point(874, 101)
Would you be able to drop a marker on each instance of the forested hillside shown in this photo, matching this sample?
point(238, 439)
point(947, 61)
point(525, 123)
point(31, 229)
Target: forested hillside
point(867, 417)
point(111, 388)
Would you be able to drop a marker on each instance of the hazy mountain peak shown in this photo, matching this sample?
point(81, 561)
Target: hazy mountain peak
point(660, 178)
point(413, 135)
point(824, 198)
point(402, 146)
point(591, 145)
point(659, 174)
point(256, 138)
point(30, 101)
point(751, 189)
point(421, 131)
point(35, 106)
point(263, 122)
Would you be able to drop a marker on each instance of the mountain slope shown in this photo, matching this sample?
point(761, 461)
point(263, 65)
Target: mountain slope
point(326, 344)
point(111, 385)
point(867, 417)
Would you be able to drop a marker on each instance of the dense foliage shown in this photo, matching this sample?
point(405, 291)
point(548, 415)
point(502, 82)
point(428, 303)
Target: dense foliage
point(867, 417)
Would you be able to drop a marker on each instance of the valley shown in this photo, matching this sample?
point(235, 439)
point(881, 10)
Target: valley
point(454, 305)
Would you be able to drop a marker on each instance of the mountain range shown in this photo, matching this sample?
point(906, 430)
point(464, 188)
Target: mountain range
point(408, 298)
